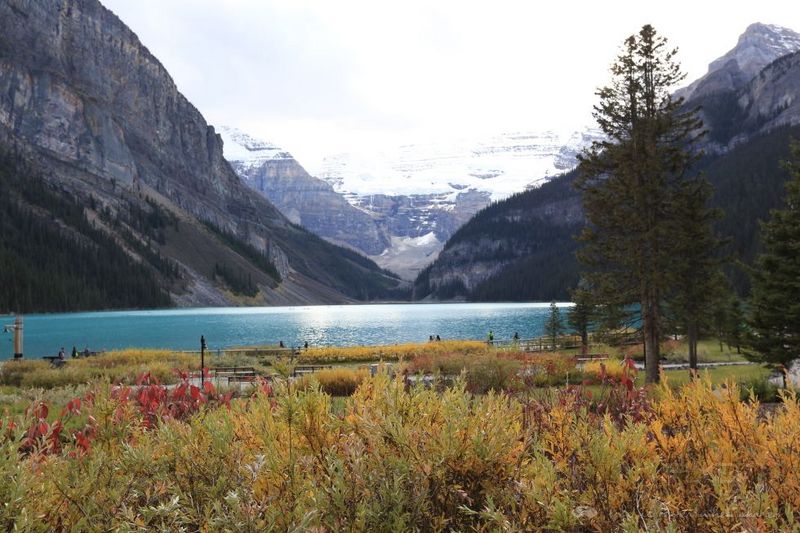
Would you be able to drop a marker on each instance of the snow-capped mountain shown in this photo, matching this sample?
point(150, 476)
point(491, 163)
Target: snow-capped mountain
point(758, 46)
point(400, 205)
point(248, 151)
point(500, 165)
point(302, 198)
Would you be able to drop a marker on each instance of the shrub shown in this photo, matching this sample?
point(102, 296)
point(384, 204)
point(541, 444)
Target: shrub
point(116, 367)
point(390, 353)
point(486, 374)
point(397, 458)
point(759, 389)
point(598, 371)
point(335, 381)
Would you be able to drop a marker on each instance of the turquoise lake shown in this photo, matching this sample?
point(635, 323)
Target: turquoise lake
point(325, 325)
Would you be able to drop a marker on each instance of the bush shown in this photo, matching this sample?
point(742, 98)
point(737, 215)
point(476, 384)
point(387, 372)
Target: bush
point(598, 371)
point(122, 366)
point(759, 389)
point(396, 458)
point(390, 353)
point(486, 374)
point(335, 381)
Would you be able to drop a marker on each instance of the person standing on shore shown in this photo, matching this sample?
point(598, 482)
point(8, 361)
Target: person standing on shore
point(74, 352)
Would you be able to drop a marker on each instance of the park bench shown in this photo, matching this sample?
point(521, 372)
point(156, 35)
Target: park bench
point(593, 357)
point(234, 374)
point(300, 370)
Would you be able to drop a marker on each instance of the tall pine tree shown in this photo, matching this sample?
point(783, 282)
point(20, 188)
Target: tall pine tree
point(581, 315)
point(629, 184)
point(554, 326)
point(775, 297)
point(696, 278)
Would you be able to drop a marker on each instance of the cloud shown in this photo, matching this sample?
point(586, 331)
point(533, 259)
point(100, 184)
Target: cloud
point(317, 76)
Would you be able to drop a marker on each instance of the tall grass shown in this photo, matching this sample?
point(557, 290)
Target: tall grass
point(335, 381)
point(389, 352)
point(120, 366)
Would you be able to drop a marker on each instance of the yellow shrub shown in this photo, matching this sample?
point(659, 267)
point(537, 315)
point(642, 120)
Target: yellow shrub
point(400, 458)
point(611, 368)
point(390, 352)
point(336, 381)
point(118, 366)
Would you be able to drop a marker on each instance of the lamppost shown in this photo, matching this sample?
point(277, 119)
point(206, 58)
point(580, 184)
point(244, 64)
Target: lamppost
point(16, 329)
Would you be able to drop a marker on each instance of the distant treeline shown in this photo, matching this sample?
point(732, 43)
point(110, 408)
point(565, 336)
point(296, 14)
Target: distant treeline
point(539, 255)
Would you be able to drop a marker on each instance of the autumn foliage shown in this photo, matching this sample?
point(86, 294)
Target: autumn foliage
point(402, 457)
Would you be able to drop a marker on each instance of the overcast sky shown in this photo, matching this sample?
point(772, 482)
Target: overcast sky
point(319, 77)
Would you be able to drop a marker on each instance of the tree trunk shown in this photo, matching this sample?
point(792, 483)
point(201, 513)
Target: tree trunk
point(691, 330)
point(652, 351)
point(584, 342)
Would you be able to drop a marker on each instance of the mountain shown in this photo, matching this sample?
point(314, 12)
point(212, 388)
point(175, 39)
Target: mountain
point(758, 46)
point(85, 107)
point(399, 206)
point(305, 200)
point(522, 248)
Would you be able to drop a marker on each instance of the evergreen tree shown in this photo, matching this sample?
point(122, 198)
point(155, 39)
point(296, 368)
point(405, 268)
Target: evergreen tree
point(629, 183)
point(554, 327)
point(696, 277)
point(733, 332)
point(581, 315)
point(775, 299)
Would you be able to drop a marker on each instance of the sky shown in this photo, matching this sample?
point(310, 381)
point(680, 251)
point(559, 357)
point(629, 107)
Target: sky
point(319, 77)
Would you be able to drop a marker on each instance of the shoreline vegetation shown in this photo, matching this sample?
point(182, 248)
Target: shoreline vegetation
point(435, 436)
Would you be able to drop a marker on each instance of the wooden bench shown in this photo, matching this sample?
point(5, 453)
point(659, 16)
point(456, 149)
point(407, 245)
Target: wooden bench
point(593, 357)
point(240, 378)
point(308, 369)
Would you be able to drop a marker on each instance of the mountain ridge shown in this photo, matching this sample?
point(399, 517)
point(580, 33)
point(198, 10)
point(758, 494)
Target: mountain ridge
point(85, 103)
point(518, 250)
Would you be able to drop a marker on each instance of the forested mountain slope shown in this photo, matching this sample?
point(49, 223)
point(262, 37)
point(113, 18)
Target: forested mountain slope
point(86, 107)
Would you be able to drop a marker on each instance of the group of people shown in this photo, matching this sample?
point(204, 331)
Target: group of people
point(281, 345)
point(434, 339)
point(490, 337)
point(75, 354)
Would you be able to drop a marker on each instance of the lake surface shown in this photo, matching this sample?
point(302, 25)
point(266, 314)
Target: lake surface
point(225, 327)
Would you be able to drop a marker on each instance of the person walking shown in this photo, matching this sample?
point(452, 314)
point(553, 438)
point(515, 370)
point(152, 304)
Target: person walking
point(74, 352)
point(491, 337)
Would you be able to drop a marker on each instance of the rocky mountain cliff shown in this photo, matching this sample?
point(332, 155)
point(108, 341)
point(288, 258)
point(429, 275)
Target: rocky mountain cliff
point(305, 200)
point(88, 106)
point(399, 206)
point(758, 46)
point(521, 248)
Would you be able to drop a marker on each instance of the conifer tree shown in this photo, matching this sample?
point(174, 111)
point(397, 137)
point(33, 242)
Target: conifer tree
point(695, 274)
point(734, 325)
point(554, 326)
point(775, 297)
point(581, 316)
point(629, 183)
